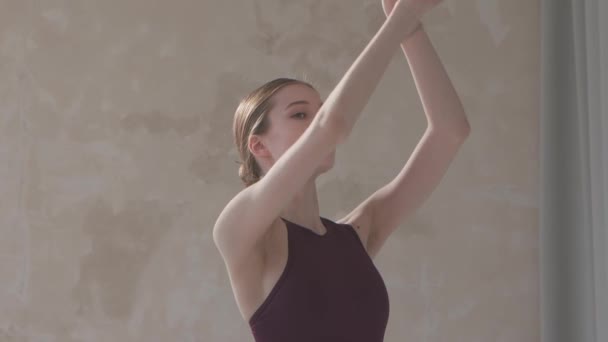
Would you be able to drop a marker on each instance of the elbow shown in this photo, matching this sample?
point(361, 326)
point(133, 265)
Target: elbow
point(465, 131)
point(459, 132)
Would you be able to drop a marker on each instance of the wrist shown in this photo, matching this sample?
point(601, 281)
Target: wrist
point(403, 23)
point(417, 28)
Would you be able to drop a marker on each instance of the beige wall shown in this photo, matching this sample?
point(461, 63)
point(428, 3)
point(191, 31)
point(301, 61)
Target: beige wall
point(116, 157)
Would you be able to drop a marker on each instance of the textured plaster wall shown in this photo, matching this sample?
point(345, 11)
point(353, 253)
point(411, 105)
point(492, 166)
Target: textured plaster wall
point(116, 157)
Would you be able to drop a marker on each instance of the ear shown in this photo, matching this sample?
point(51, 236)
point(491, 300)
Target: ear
point(257, 147)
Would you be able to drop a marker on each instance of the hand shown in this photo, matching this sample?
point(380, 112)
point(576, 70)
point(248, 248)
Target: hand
point(419, 6)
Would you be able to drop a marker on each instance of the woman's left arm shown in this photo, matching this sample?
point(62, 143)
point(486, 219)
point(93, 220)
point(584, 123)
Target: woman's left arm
point(442, 106)
point(384, 211)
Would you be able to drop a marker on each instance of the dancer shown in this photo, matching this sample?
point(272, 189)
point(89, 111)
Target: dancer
point(297, 276)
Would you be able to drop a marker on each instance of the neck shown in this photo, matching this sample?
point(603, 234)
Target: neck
point(304, 207)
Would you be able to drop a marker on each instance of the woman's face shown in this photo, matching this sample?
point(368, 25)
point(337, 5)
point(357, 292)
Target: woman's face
point(295, 106)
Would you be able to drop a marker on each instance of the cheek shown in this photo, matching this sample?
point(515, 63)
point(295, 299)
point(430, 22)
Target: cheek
point(292, 138)
point(282, 142)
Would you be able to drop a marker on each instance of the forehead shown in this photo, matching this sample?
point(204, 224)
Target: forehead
point(292, 93)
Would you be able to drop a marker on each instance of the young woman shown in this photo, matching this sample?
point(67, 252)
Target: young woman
point(297, 276)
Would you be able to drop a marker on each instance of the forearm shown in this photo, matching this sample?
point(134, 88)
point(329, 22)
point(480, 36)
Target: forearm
point(348, 99)
point(441, 103)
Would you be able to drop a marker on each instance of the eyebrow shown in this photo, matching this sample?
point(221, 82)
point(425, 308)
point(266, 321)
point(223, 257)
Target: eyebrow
point(299, 102)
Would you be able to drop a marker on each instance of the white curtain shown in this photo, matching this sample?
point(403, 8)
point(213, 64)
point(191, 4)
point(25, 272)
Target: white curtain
point(574, 170)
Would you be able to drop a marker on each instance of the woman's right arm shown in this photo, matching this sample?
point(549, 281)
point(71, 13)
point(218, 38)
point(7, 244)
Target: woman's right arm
point(244, 221)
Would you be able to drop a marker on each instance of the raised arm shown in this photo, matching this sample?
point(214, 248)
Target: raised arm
point(248, 216)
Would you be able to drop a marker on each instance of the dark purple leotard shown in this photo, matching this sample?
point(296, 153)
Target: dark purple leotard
point(330, 290)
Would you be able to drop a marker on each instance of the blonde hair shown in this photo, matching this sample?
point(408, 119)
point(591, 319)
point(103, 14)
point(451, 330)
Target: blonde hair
point(251, 118)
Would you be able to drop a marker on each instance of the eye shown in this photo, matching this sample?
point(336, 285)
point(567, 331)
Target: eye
point(298, 114)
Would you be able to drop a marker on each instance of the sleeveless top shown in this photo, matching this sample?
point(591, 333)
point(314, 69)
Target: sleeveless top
point(330, 290)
